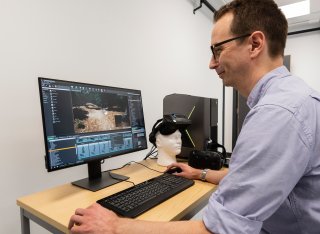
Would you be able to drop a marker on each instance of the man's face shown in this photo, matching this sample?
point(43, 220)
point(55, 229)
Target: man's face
point(231, 58)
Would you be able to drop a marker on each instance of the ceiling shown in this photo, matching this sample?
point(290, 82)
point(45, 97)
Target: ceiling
point(286, 2)
point(311, 20)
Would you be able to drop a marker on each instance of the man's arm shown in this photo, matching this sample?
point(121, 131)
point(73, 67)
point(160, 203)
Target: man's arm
point(98, 220)
point(212, 176)
point(216, 176)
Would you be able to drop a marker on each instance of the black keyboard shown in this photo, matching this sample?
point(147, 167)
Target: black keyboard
point(135, 200)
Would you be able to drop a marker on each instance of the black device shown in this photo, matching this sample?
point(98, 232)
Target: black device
point(168, 125)
point(210, 158)
point(135, 200)
point(174, 170)
point(205, 159)
point(203, 113)
point(86, 123)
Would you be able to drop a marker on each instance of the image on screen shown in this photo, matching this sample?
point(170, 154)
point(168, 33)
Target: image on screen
point(96, 112)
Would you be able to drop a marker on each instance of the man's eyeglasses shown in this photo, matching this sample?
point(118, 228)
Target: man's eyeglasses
point(216, 49)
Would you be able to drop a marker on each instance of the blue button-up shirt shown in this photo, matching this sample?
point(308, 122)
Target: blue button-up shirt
point(273, 184)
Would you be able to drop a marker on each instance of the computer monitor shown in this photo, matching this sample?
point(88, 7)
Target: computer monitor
point(203, 113)
point(87, 123)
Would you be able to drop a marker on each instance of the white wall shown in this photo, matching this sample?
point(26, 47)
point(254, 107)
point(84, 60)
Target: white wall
point(305, 56)
point(159, 47)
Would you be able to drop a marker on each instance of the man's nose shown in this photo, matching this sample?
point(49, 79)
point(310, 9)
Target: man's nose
point(213, 63)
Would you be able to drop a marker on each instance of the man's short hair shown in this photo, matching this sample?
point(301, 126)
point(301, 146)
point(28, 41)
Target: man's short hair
point(258, 15)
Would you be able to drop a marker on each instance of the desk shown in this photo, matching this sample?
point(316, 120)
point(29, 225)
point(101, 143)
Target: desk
point(53, 207)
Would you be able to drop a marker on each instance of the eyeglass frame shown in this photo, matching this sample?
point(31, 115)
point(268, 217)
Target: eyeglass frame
point(212, 47)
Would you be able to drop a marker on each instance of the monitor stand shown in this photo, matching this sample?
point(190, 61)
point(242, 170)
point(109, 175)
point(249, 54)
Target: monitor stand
point(98, 180)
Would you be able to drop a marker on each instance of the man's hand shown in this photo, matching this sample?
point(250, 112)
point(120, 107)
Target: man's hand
point(187, 171)
point(95, 219)
point(213, 176)
point(98, 220)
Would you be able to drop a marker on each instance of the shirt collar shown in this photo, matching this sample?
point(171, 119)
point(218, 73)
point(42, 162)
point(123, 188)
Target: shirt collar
point(261, 85)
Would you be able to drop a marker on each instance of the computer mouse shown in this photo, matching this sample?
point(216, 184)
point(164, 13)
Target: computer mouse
point(174, 170)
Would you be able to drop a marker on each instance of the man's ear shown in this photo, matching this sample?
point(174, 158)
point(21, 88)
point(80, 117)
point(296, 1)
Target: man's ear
point(258, 43)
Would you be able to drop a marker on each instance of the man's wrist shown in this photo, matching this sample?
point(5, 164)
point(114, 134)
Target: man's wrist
point(203, 174)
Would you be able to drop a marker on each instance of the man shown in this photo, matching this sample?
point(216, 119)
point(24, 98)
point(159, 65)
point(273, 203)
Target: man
point(273, 183)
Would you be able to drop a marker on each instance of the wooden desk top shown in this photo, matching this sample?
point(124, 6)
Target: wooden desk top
point(56, 205)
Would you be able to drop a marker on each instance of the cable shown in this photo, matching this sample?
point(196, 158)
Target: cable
point(122, 180)
point(128, 164)
point(151, 152)
point(149, 168)
point(154, 155)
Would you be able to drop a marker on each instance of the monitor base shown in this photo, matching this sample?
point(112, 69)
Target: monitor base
point(106, 179)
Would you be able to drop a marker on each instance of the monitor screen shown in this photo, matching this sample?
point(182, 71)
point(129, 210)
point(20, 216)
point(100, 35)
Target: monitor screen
point(86, 123)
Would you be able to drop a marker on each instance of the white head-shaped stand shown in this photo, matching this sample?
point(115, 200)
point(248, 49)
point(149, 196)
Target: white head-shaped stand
point(168, 147)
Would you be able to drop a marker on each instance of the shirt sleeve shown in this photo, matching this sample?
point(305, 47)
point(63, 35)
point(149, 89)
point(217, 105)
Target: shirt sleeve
point(270, 156)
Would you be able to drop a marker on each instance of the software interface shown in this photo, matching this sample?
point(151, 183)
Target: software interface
point(86, 122)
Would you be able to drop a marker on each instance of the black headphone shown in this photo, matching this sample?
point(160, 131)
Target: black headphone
point(168, 125)
point(162, 126)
